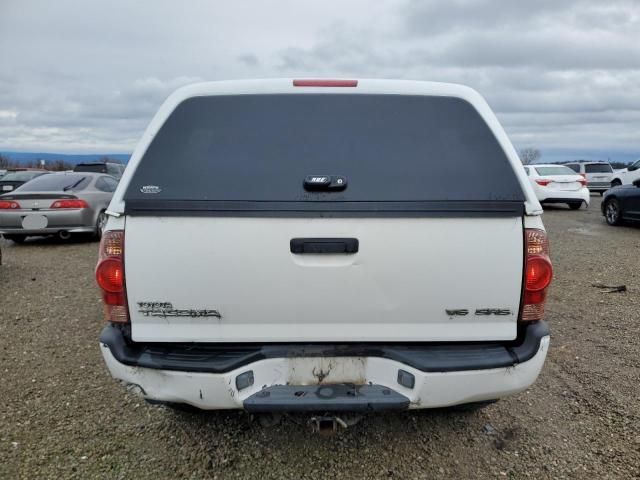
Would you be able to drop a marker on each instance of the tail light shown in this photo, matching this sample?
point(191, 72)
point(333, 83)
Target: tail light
point(583, 181)
point(543, 182)
point(9, 205)
point(110, 276)
point(325, 83)
point(538, 273)
point(73, 203)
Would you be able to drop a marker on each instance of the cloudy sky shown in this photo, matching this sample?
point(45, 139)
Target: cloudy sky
point(86, 76)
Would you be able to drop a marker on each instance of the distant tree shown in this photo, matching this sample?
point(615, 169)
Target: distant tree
point(4, 162)
point(529, 155)
point(59, 166)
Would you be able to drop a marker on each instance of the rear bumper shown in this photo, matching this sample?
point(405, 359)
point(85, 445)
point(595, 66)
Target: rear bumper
point(47, 231)
point(442, 375)
point(598, 186)
point(582, 195)
point(71, 220)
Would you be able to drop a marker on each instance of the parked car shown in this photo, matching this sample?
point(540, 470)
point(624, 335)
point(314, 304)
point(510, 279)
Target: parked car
point(627, 175)
point(558, 184)
point(2, 173)
point(114, 169)
point(598, 174)
point(622, 203)
point(57, 204)
point(14, 178)
point(312, 252)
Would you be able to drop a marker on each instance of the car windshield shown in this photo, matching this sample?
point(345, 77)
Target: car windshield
point(550, 171)
point(598, 168)
point(19, 176)
point(56, 182)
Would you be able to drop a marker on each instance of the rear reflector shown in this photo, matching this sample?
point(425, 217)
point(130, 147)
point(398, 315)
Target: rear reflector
point(110, 276)
point(77, 203)
point(325, 83)
point(9, 205)
point(538, 273)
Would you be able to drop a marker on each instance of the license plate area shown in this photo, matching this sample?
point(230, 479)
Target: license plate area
point(324, 370)
point(34, 222)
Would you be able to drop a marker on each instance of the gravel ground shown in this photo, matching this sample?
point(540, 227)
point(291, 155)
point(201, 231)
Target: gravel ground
point(62, 416)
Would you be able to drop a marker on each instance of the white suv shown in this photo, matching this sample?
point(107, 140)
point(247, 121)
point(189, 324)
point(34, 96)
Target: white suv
point(301, 245)
point(597, 174)
point(626, 176)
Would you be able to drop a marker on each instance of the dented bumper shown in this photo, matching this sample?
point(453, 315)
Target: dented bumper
point(219, 380)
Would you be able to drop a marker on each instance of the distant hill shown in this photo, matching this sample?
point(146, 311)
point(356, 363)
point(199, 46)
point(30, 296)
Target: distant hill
point(24, 157)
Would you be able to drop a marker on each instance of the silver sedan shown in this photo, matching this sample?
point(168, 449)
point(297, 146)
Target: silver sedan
point(57, 204)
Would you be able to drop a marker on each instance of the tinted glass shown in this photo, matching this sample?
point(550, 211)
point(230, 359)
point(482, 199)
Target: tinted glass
point(106, 184)
point(98, 168)
point(550, 171)
point(598, 168)
point(261, 148)
point(20, 176)
point(575, 168)
point(56, 182)
point(114, 169)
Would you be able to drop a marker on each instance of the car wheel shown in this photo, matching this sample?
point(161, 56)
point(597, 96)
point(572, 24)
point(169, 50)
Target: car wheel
point(17, 238)
point(575, 206)
point(612, 212)
point(100, 224)
point(616, 183)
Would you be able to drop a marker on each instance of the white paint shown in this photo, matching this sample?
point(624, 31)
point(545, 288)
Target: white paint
point(626, 176)
point(407, 272)
point(218, 391)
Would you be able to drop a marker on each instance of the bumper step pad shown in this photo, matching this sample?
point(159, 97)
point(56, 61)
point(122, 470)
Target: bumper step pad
point(330, 398)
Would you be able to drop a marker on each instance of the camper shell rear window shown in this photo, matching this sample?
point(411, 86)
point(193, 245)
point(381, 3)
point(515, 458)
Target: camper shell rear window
point(254, 154)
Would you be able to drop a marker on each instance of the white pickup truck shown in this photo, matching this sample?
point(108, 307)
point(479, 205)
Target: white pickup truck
point(324, 246)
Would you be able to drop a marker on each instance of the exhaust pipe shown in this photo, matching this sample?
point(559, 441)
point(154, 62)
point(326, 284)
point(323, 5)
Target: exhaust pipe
point(64, 235)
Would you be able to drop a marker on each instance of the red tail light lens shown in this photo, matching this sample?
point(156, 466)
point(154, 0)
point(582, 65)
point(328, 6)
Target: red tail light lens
point(583, 182)
point(325, 83)
point(110, 276)
point(538, 273)
point(74, 203)
point(543, 182)
point(9, 205)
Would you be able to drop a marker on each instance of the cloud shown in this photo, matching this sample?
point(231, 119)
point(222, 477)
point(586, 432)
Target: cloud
point(89, 76)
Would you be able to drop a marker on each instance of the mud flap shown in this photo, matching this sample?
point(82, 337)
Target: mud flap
point(330, 398)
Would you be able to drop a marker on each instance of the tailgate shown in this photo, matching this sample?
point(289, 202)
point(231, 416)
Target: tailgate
point(227, 279)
